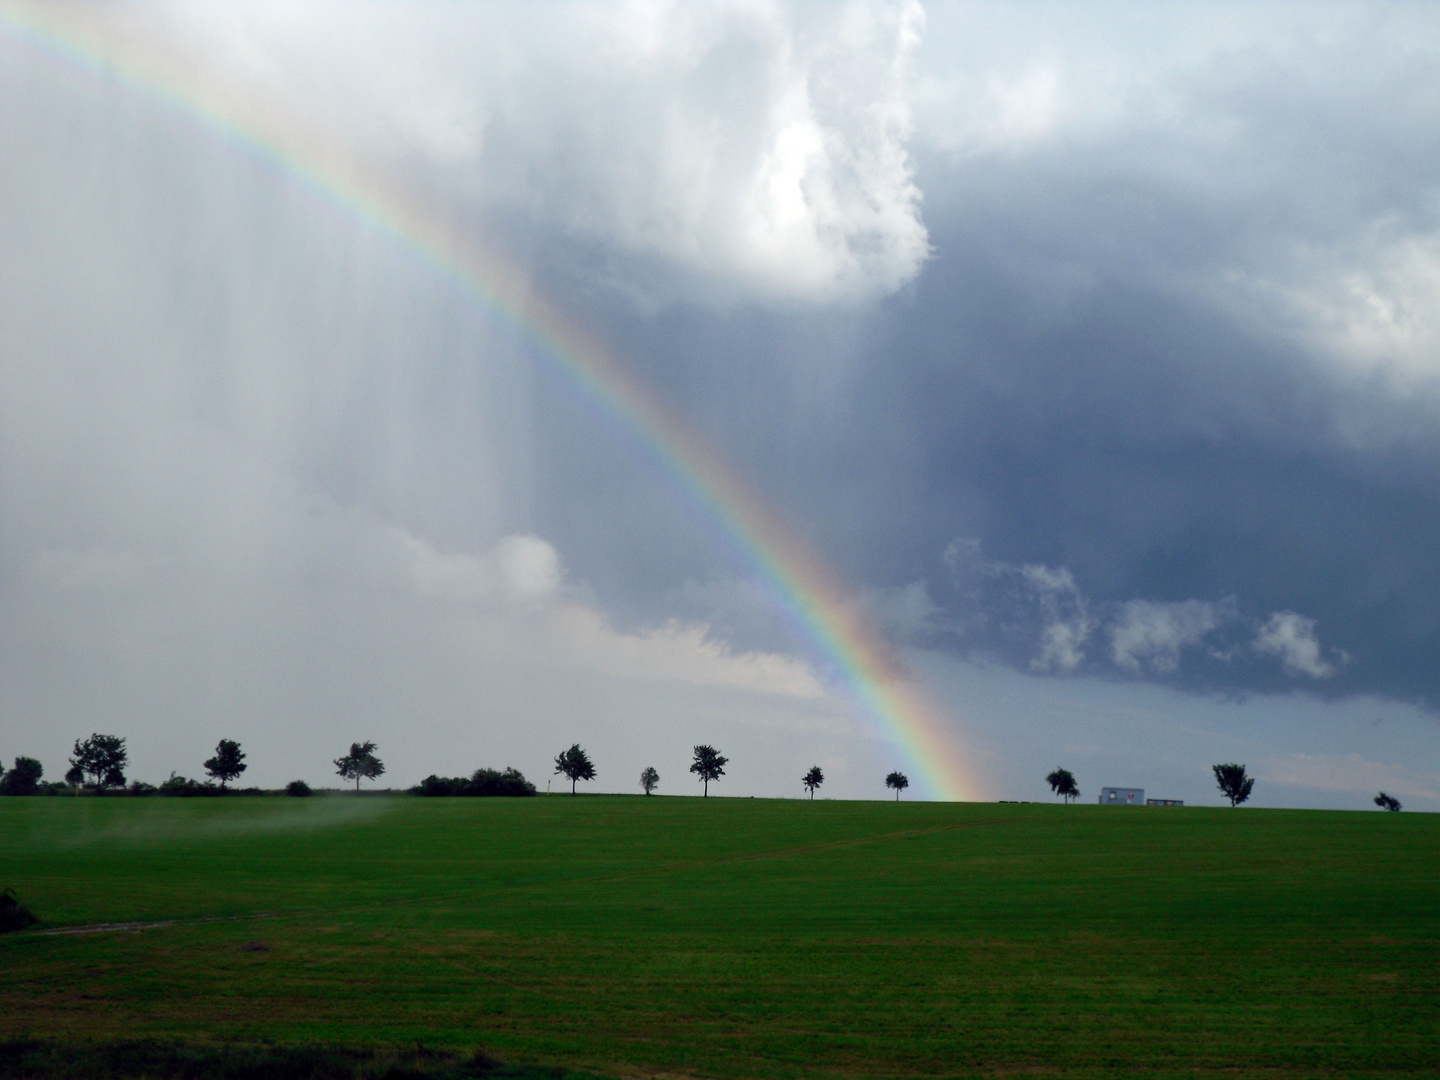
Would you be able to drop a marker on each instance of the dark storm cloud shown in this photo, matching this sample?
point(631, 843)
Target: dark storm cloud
point(1100, 374)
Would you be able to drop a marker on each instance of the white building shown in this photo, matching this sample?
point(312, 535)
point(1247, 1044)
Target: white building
point(1122, 796)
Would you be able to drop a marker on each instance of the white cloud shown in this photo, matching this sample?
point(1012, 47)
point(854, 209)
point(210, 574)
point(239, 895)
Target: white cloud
point(1372, 301)
point(683, 653)
point(1291, 637)
point(525, 572)
point(517, 569)
point(1068, 623)
point(1149, 632)
point(756, 145)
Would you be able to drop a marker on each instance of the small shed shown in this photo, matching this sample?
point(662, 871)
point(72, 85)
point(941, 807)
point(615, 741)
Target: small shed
point(1122, 796)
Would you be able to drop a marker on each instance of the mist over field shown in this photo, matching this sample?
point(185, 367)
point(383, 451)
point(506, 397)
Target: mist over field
point(1095, 349)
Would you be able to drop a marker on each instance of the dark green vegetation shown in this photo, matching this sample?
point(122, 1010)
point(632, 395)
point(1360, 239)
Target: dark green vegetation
point(154, 1059)
point(1062, 783)
point(575, 764)
point(360, 763)
point(638, 936)
point(483, 783)
point(1233, 782)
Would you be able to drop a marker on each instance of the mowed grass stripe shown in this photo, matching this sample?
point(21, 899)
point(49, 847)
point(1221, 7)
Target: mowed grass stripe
point(743, 937)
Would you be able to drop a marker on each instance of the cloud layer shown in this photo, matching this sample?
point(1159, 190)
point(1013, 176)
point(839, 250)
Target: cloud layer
point(1137, 303)
point(758, 149)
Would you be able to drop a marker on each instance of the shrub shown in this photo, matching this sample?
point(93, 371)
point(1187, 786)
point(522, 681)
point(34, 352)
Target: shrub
point(298, 788)
point(434, 785)
point(139, 787)
point(510, 782)
point(484, 783)
point(183, 787)
point(13, 914)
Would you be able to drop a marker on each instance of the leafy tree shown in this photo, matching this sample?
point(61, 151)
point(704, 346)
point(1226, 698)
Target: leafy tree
point(1385, 802)
point(575, 764)
point(649, 779)
point(1234, 784)
point(228, 762)
point(899, 781)
point(298, 788)
point(24, 778)
point(813, 779)
point(709, 764)
point(102, 758)
point(1062, 783)
point(360, 764)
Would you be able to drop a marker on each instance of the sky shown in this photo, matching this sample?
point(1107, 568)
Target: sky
point(1095, 349)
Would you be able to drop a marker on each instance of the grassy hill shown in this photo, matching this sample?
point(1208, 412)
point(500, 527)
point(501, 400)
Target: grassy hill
point(728, 937)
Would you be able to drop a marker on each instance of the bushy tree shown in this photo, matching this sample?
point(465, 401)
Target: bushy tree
point(813, 779)
point(899, 781)
point(649, 779)
point(101, 759)
point(1385, 802)
point(709, 764)
point(575, 764)
point(298, 789)
point(1233, 782)
point(23, 779)
point(1062, 783)
point(228, 762)
point(360, 764)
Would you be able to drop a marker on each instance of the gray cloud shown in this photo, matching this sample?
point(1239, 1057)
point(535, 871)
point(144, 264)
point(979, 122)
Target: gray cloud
point(1161, 346)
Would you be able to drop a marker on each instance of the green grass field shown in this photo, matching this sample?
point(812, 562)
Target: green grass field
point(730, 937)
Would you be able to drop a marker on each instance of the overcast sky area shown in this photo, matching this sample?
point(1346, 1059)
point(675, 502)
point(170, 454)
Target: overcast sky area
point(1096, 347)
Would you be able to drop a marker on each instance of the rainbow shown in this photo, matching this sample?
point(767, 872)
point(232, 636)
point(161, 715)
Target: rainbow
point(82, 38)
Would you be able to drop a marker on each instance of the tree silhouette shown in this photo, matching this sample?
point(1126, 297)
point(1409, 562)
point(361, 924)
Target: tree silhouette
point(1385, 802)
point(23, 779)
point(649, 779)
point(813, 779)
point(228, 762)
point(1062, 783)
point(899, 781)
point(575, 764)
point(360, 764)
point(102, 758)
point(709, 764)
point(1234, 784)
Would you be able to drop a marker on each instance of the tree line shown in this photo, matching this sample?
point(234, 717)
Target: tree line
point(98, 764)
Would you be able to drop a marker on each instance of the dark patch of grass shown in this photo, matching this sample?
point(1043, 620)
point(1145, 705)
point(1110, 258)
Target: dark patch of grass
point(13, 914)
point(154, 1059)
